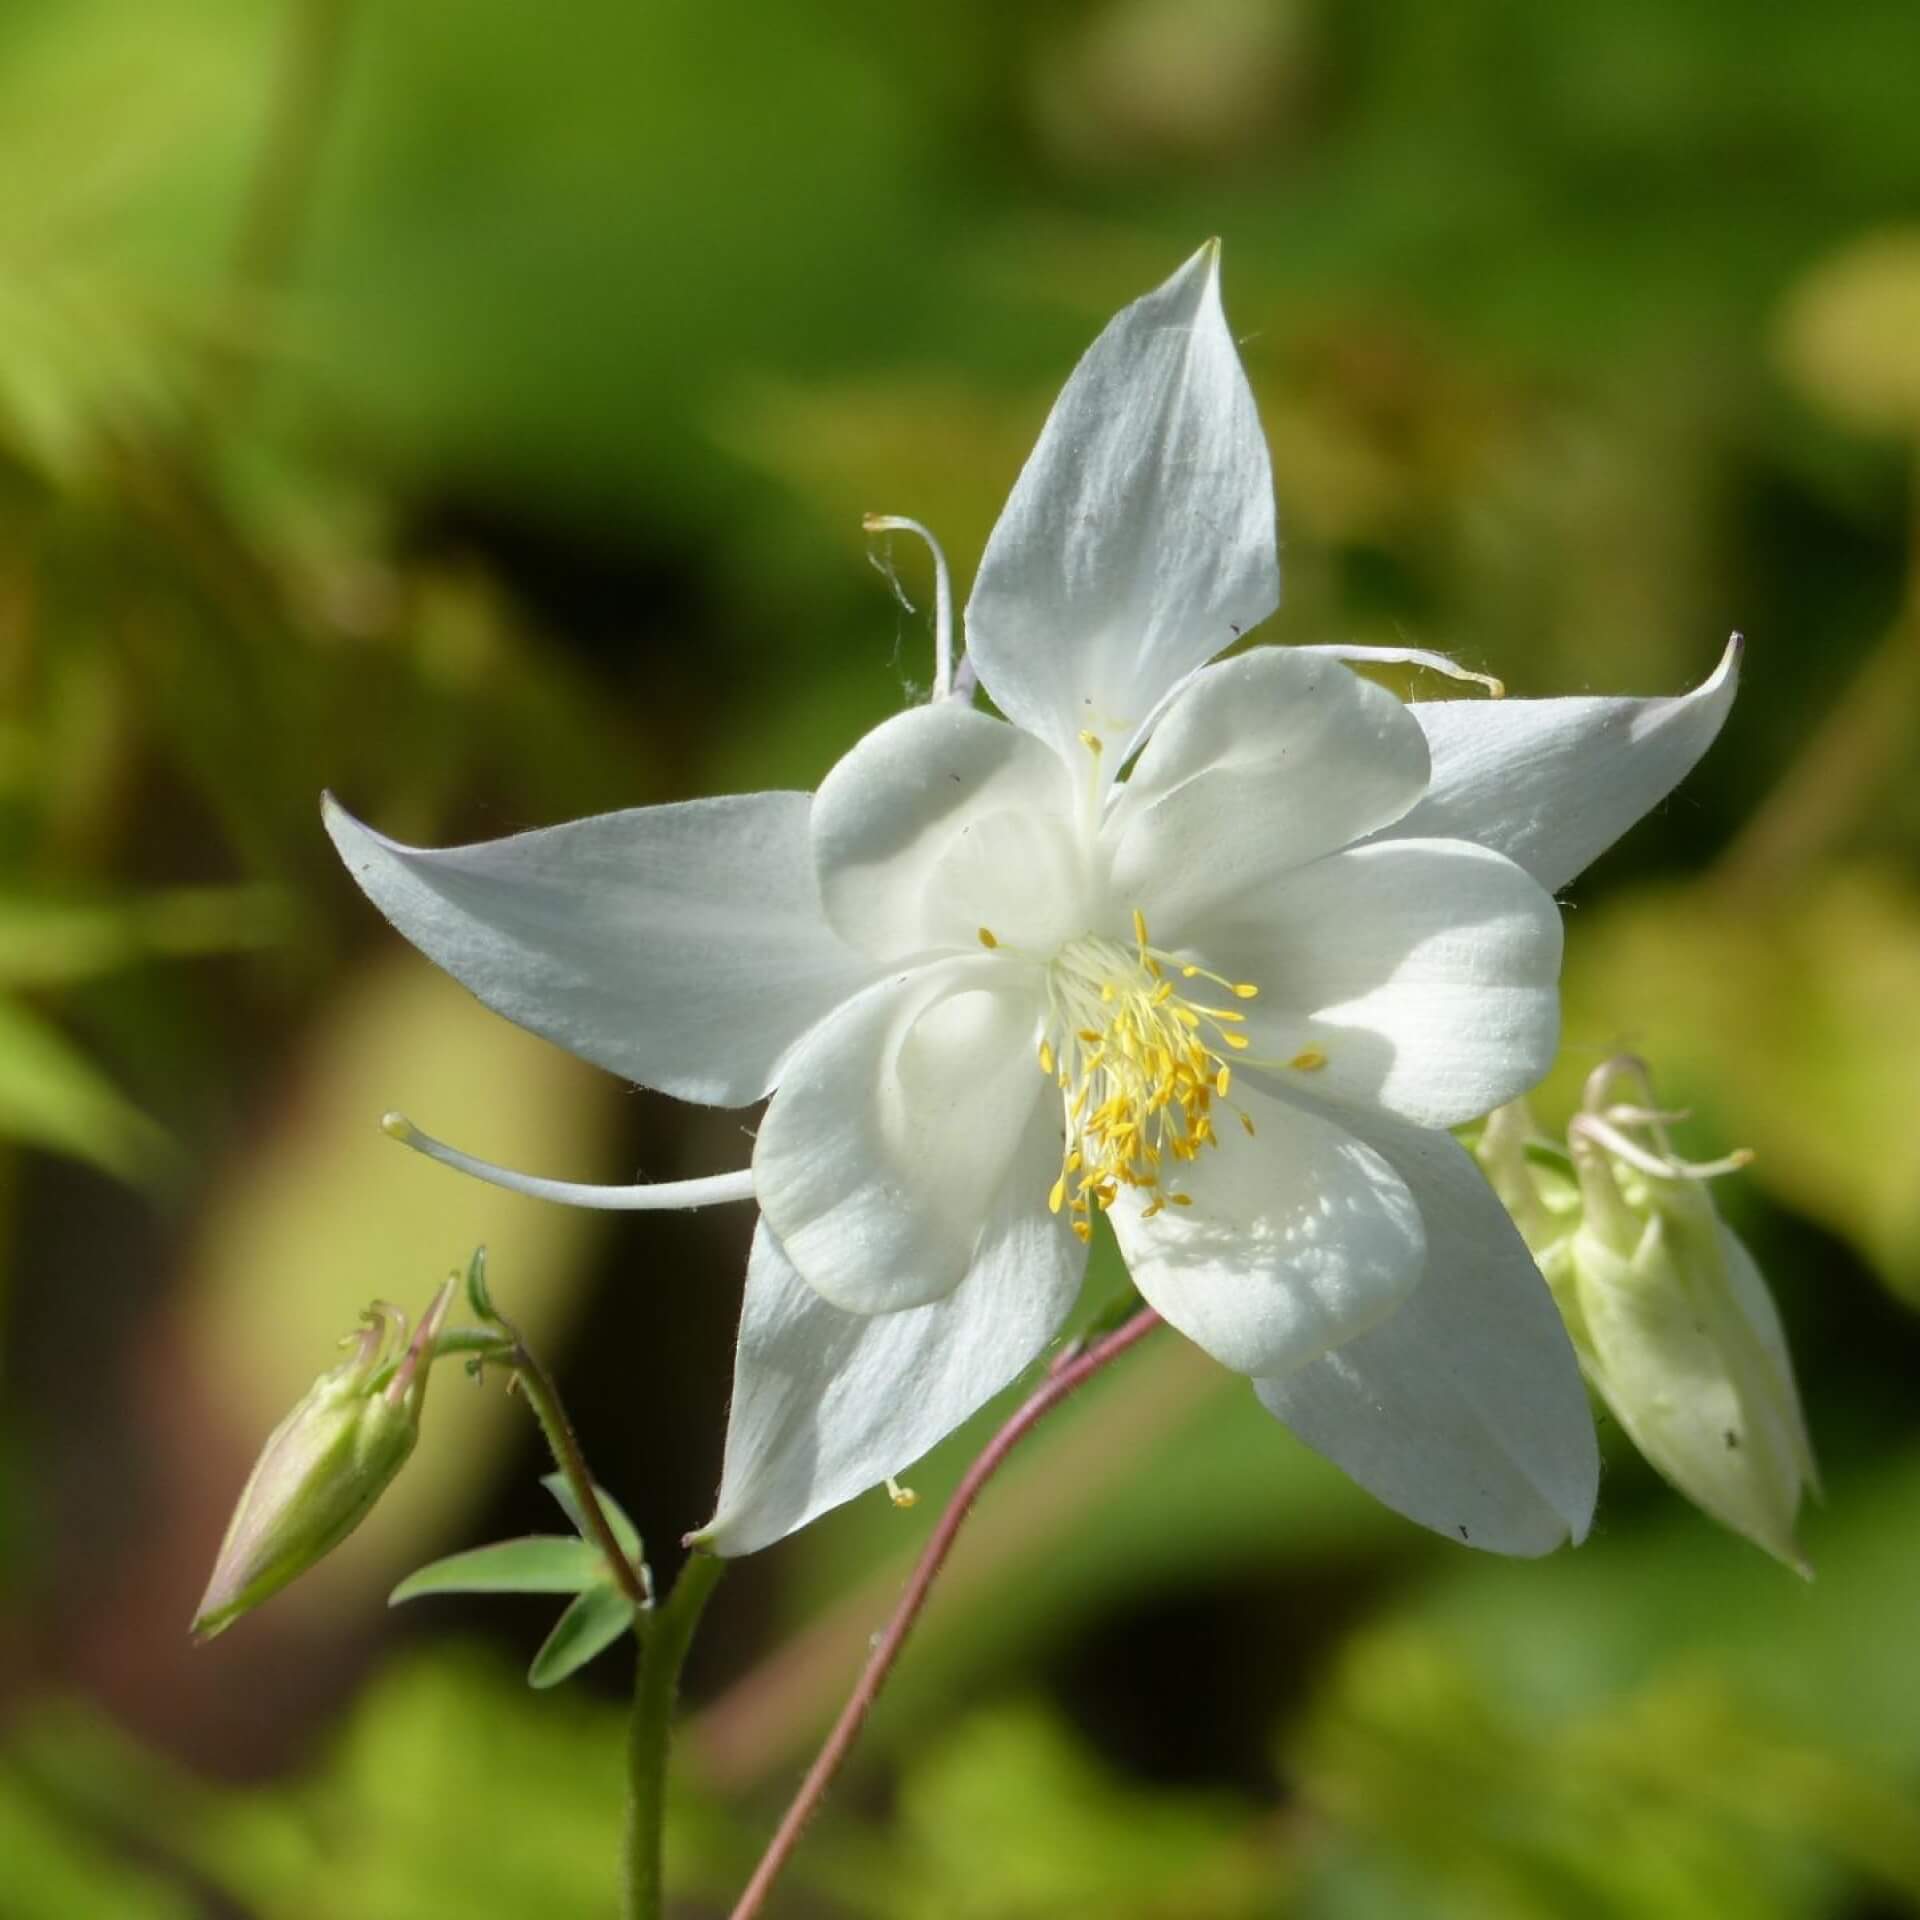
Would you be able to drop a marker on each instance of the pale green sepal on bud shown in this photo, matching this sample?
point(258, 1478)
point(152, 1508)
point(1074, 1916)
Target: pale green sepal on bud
point(326, 1464)
point(1670, 1317)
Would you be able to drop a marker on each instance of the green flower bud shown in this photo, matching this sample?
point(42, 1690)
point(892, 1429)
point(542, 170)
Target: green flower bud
point(1673, 1324)
point(325, 1465)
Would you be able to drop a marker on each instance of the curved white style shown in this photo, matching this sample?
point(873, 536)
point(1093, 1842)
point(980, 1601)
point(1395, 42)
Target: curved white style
point(1215, 952)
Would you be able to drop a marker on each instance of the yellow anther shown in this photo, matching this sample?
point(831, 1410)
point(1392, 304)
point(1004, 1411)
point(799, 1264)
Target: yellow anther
point(987, 938)
point(1083, 1230)
point(1091, 741)
point(1139, 1067)
point(1309, 1060)
point(1246, 1120)
point(899, 1495)
point(1246, 990)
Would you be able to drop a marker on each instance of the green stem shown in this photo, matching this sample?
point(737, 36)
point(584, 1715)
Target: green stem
point(661, 1634)
point(1066, 1373)
point(544, 1398)
point(664, 1640)
point(487, 1342)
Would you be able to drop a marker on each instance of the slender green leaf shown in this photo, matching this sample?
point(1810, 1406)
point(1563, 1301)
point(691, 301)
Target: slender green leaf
point(623, 1529)
point(540, 1563)
point(49, 941)
point(52, 1095)
point(591, 1625)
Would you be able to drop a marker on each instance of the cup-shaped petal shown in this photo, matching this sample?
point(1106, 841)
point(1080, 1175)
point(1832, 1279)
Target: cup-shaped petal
point(895, 827)
point(1416, 976)
point(1297, 1238)
point(880, 1156)
point(1259, 765)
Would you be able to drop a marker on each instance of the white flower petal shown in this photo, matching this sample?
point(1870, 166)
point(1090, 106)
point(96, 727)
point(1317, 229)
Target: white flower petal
point(1139, 538)
point(903, 799)
point(1260, 764)
point(1018, 878)
point(1554, 783)
point(1465, 1410)
point(1415, 975)
point(1297, 1239)
point(895, 1123)
point(679, 946)
point(827, 1403)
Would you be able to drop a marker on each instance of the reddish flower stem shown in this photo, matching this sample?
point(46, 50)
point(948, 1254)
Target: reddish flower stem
point(1062, 1378)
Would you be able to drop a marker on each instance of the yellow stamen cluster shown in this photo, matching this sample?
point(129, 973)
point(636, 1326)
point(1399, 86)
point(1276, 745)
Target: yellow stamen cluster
point(1139, 1067)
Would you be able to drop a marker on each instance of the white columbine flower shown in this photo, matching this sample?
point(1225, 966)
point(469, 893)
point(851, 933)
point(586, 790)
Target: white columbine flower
point(1215, 952)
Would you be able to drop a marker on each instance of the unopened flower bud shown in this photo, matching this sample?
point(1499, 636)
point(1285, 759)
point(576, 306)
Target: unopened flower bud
point(325, 1464)
point(1670, 1317)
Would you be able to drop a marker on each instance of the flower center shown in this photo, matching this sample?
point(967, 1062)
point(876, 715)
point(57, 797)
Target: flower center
point(1139, 1066)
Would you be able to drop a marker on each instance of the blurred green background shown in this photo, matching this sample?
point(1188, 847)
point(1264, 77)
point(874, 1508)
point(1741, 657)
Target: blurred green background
point(471, 409)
